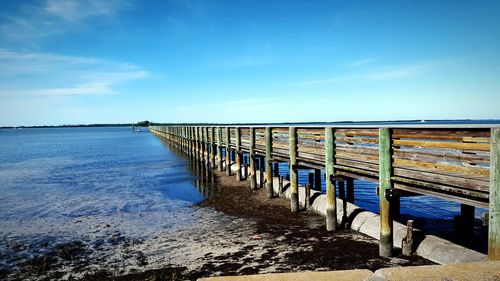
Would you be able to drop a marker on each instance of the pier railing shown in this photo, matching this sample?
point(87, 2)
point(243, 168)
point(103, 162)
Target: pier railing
point(459, 164)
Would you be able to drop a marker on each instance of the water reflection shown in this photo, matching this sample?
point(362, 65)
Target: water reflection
point(204, 178)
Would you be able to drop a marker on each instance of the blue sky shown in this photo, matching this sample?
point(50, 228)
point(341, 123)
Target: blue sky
point(92, 61)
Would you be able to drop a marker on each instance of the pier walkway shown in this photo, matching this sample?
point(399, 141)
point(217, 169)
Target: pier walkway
point(460, 163)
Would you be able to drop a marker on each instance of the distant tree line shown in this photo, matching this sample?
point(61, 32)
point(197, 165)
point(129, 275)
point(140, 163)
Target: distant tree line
point(138, 124)
point(145, 123)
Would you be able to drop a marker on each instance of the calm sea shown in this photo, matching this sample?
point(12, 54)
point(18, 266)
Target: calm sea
point(61, 184)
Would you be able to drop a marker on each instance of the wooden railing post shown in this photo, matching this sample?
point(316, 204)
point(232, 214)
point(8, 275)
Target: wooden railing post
point(207, 145)
point(183, 139)
point(198, 143)
point(331, 198)
point(294, 178)
point(191, 142)
point(202, 143)
point(269, 167)
point(494, 221)
point(385, 183)
point(193, 137)
point(219, 148)
point(213, 148)
point(176, 132)
point(262, 166)
point(238, 153)
point(186, 140)
point(186, 137)
point(176, 138)
point(195, 143)
point(253, 176)
point(228, 151)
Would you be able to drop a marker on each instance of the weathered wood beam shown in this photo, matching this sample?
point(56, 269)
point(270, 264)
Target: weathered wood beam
point(331, 204)
point(494, 221)
point(228, 151)
point(385, 171)
point(202, 143)
point(253, 176)
point(294, 177)
point(207, 146)
point(238, 153)
point(213, 147)
point(195, 143)
point(269, 168)
point(219, 149)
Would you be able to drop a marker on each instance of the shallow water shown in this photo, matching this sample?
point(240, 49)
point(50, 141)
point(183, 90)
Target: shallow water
point(68, 184)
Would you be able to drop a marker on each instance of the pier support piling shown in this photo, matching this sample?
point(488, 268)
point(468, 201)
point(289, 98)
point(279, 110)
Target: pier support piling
point(197, 144)
point(213, 147)
point(294, 178)
point(317, 179)
point(207, 146)
point(466, 222)
point(407, 247)
point(342, 195)
point(228, 151)
point(276, 169)
point(262, 166)
point(385, 183)
point(238, 153)
point(307, 202)
point(350, 190)
point(219, 149)
point(395, 207)
point(494, 221)
point(280, 185)
point(253, 176)
point(269, 168)
point(202, 143)
point(331, 204)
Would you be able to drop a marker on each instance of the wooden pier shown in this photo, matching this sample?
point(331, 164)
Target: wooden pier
point(459, 163)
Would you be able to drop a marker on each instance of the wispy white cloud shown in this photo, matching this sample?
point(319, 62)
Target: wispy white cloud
point(42, 74)
point(400, 71)
point(49, 17)
point(380, 73)
point(362, 62)
point(326, 80)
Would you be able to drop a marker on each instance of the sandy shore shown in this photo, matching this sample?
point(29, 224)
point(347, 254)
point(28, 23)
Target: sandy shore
point(237, 231)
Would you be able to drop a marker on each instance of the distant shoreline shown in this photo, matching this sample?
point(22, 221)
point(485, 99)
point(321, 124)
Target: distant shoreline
point(385, 122)
point(66, 126)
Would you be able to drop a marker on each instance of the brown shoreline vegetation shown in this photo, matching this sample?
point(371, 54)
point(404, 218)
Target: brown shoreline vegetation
point(281, 241)
point(313, 247)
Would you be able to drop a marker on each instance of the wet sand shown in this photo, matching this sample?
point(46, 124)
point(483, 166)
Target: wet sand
point(282, 241)
point(238, 231)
